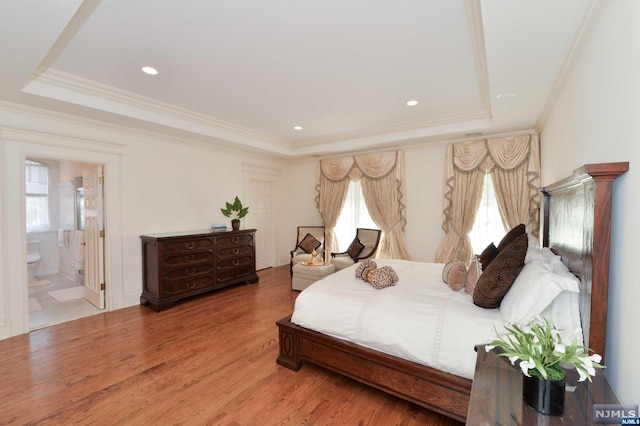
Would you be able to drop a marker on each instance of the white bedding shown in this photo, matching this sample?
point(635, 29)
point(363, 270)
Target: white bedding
point(419, 319)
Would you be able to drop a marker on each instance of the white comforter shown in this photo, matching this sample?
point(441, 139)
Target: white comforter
point(419, 319)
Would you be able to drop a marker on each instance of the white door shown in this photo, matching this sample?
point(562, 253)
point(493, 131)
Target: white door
point(94, 283)
point(261, 218)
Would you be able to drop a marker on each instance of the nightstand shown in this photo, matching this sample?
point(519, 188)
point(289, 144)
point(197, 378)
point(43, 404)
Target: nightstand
point(496, 396)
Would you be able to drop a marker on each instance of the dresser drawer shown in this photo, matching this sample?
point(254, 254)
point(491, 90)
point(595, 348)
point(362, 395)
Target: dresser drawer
point(235, 274)
point(234, 240)
point(234, 252)
point(187, 246)
point(235, 262)
point(188, 272)
point(188, 258)
point(187, 286)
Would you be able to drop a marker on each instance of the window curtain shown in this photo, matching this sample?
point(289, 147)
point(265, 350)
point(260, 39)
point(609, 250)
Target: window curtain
point(515, 166)
point(382, 178)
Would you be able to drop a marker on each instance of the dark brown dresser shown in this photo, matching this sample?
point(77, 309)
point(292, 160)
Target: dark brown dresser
point(177, 265)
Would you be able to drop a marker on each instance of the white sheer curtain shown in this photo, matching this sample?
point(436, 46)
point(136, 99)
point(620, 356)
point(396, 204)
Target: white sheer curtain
point(354, 215)
point(37, 196)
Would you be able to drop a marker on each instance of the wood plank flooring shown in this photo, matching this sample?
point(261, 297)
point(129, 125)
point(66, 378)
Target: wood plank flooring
point(208, 360)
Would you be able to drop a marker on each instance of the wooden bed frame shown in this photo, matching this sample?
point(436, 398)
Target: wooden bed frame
point(576, 226)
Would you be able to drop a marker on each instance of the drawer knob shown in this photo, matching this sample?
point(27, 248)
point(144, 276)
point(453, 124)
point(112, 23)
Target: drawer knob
point(235, 240)
point(236, 262)
point(192, 285)
point(190, 245)
point(235, 251)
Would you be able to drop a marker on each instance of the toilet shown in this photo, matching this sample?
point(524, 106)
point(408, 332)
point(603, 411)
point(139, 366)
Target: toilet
point(33, 259)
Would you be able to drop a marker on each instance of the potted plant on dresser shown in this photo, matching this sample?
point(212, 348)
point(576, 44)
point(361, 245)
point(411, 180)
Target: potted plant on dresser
point(236, 212)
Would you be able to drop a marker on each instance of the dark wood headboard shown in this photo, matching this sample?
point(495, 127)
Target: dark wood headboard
point(579, 230)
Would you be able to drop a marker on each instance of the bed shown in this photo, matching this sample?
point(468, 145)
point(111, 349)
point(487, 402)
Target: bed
point(576, 226)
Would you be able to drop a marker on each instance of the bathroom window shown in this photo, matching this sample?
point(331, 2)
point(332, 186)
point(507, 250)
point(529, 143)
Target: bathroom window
point(37, 196)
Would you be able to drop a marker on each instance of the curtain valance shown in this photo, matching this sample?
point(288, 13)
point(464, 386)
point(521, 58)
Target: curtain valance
point(375, 166)
point(383, 188)
point(505, 153)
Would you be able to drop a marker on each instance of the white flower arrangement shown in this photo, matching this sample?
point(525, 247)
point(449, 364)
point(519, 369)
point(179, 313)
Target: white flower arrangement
point(540, 350)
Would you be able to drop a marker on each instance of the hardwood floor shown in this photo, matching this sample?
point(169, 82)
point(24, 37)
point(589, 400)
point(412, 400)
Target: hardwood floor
point(208, 360)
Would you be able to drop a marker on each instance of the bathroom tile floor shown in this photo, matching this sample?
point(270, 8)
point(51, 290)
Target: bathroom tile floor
point(53, 312)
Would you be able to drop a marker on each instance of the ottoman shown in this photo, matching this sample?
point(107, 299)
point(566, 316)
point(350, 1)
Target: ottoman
point(305, 275)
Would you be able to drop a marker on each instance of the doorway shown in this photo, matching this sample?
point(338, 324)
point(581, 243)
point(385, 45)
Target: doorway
point(56, 237)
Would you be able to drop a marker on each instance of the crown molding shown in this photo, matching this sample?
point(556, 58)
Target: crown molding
point(473, 11)
point(430, 122)
point(114, 131)
point(584, 31)
point(90, 93)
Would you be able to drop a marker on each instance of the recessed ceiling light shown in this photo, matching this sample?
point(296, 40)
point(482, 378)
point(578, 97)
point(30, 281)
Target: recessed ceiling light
point(505, 95)
point(412, 103)
point(297, 127)
point(150, 70)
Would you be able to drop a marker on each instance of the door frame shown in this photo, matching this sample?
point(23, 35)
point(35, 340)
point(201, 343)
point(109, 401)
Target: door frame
point(16, 146)
point(258, 172)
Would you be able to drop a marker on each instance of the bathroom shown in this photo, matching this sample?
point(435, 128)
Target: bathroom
point(55, 241)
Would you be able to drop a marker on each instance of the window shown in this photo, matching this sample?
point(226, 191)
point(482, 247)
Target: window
point(488, 226)
point(37, 196)
point(354, 215)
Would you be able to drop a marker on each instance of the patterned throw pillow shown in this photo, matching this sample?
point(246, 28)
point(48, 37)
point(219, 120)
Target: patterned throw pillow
point(453, 274)
point(487, 255)
point(364, 267)
point(309, 243)
point(382, 278)
point(354, 249)
point(473, 273)
point(497, 279)
point(514, 233)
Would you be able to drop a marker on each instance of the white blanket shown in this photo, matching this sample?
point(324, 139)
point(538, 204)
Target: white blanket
point(419, 319)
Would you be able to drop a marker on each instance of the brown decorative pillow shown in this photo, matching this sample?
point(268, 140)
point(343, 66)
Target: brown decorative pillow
point(497, 279)
point(511, 235)
point(355, 248)
point(309, 243)
point(487, 255)
point(453, 274)
point(472, 275)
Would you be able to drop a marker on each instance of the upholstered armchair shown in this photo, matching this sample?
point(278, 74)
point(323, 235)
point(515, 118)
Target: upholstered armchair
point(309, 238)
point(363, 246)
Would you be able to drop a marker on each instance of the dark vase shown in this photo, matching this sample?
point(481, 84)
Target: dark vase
point(235, 224)
point(546, 396)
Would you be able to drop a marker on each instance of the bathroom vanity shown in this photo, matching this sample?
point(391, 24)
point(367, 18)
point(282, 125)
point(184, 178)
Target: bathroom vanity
point(182, 264)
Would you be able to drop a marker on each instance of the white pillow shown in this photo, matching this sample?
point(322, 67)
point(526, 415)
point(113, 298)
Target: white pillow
point(534, 289)
point(564, 312)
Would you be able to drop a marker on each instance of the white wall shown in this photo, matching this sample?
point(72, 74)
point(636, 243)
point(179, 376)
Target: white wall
point(595, 119)
point(151, 185)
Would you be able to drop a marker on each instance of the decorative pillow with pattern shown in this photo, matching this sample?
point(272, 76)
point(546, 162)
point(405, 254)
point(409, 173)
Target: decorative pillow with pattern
point(454, 274)
point(487, 255)
point(513, 233)
point(354, 249)
point(382, 278)
point(309, 243)
point(472, 275)
point(497, 279)
point(364, 267)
